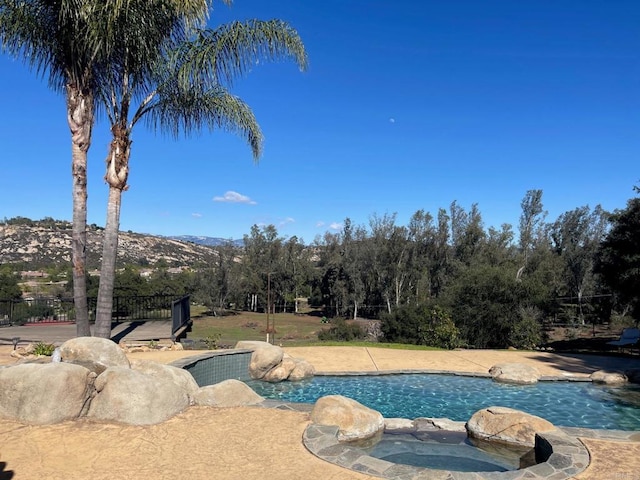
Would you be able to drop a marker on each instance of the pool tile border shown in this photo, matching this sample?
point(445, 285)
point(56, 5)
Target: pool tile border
point(566, 457)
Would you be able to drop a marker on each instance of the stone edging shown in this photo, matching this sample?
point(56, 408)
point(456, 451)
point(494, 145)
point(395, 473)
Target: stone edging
point(543, 378)
point(566, 457)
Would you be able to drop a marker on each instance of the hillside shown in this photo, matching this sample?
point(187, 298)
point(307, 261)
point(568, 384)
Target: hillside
point(37, 244)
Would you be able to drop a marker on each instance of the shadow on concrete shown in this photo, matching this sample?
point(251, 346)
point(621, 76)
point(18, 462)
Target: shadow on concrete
point(130, 328)
point(586, 363)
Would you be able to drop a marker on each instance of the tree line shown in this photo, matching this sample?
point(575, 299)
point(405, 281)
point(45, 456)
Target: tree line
point(445, 279)
point(497, 286)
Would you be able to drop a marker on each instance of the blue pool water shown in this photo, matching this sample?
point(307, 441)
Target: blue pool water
point(571, 404)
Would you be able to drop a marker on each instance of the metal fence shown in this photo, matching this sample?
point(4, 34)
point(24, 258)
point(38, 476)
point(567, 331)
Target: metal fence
point(125, 309)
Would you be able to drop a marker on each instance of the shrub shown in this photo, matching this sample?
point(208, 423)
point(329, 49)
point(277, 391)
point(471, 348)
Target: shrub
point(427, 325)
point(526, 332)
point(42, 348)
point(341, 330)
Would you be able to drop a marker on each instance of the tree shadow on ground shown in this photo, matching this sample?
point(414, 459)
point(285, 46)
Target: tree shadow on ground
point(5, 474)
point(588, 362)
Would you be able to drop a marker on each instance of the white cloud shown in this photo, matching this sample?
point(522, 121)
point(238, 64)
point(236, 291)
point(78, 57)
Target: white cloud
point(335, 226)
point(319, 224)
point(196, 215)
point(234, 197)
point(286, 221)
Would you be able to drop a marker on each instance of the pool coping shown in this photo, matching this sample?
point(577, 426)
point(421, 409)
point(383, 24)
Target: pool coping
point(566, 455)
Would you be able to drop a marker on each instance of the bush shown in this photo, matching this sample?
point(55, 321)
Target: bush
point(427, 325)
point(526, 333)
point(42, 348)
point(343, 331)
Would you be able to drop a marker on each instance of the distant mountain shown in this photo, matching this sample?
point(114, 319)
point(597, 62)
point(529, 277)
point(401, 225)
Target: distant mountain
point(40, 243)
point(208, 241)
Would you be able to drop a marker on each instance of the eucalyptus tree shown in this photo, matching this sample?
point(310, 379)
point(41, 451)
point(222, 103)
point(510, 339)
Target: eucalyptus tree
point(576, 236)
point(171, 71)
point(58, 39)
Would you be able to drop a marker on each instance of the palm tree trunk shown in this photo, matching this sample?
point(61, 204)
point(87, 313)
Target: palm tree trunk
point(80, 120)
point(108, 269)
point(116, 177)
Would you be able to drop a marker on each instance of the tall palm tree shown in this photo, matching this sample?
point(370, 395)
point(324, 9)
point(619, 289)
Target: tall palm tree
point(55, 38)
point(175, 74)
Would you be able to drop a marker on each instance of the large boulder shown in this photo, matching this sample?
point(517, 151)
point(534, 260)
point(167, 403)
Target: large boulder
point(354, 420)
point(302, 370)
point(281, 371)
point(264, 357)
point(133, 397)
point(45, 393)
point(169, 373)
point(517, 373)
point(506, 425)
point(609, 378)
point(96, 354)
point(228, 393)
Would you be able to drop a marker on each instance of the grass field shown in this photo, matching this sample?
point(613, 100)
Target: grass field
point(291, 329)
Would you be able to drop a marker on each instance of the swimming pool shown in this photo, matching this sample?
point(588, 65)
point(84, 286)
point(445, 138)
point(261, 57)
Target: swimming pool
point(570, 404)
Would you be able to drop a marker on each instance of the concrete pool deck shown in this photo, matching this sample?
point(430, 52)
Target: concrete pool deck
point(256, 443)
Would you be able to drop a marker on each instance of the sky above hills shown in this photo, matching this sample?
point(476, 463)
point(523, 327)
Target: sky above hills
point(406, 105)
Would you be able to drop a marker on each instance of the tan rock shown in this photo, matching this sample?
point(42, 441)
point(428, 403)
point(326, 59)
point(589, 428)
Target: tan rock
point(265, 357)
point(354, 420)
point(301, 371)
point(44, 393)
point(281, 371)
point(228, 393)
point(517, 373)
point(502, 424)
point(96, 354)
point(609, 378)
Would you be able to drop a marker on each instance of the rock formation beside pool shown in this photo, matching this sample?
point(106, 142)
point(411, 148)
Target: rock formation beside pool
point(270, 364)
point(228, 393)
point(354, 420)
point(609, 378)
point(94, 379)
point(506, 425)
point(516, 373)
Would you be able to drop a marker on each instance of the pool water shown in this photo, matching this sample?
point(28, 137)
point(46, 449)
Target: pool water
point(450, 451)
point(571, 404)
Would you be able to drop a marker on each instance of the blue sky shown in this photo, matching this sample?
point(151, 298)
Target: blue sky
point(406, 105)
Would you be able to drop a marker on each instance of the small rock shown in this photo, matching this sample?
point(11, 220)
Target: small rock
point(228, 393)
point(517, 373)
point(609, 378)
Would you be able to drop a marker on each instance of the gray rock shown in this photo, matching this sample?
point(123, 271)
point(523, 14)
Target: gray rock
point(170, 373)
point(228, 393)
point(132, 397)
point(517, 373)
point(354, 420)
point(96, 354)
point(45, 393)
point(506, 425)
point(264, 358)
point(609, 378)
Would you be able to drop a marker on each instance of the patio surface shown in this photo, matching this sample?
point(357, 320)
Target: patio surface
point(255, 443)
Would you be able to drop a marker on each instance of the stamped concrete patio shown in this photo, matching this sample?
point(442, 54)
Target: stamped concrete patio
point(255, 443)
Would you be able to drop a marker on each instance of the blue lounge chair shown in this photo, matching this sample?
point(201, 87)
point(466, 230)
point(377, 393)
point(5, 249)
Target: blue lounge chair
point(629, 337)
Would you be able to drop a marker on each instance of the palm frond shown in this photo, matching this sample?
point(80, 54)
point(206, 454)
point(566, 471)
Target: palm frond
point(180, 111)
point(221, 55)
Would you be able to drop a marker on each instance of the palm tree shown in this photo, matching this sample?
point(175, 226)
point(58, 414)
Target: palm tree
point(177, 75)
point(55, 38)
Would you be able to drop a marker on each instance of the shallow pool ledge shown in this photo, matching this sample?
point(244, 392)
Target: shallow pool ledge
point(565, 457)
